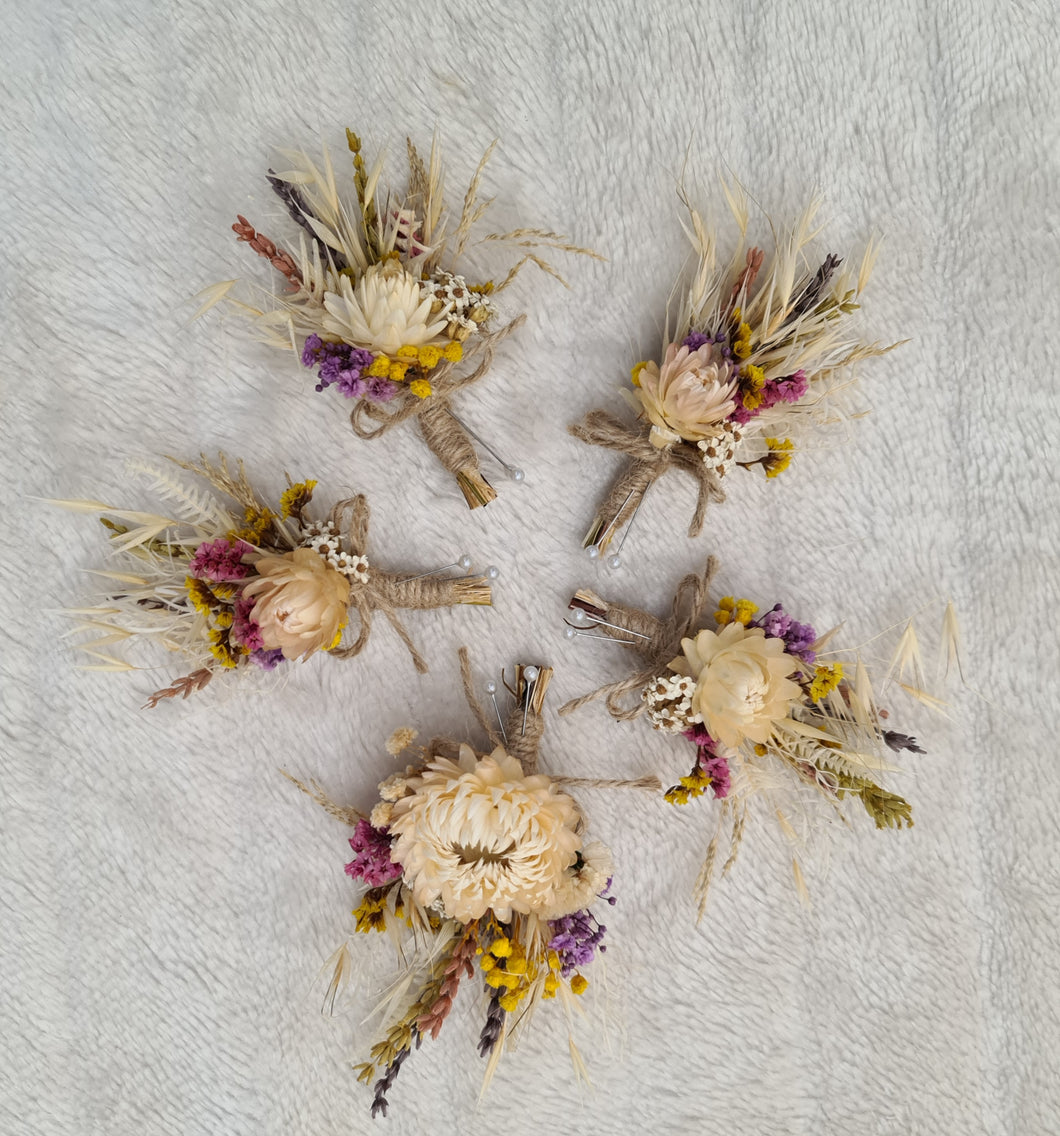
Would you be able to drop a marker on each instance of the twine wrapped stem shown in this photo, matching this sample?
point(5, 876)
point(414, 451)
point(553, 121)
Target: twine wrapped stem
point(389, 592)
point(445, 437)
point(647, 463)
point(662, 644)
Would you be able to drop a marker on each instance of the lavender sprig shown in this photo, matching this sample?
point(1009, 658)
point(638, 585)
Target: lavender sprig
point(816, 286)
point(491, 1031)
point(299, 210)
point(898, 742)
point(383, 1085)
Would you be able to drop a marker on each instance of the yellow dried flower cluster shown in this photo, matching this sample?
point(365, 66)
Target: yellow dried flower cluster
point(295, 499)
point(741, 341)
point(212, 601)
point(507, 965)
point(412, 358)
point(688, 788)
point(779, 458)
point(370, 913)
point(731, 610)
point(257, 523)
point(825, 680)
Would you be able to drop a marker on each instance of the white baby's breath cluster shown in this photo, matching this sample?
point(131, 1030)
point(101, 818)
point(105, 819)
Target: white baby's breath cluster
point(669, 702)
point(454, 301)
point(719, 452)
point(323, 538)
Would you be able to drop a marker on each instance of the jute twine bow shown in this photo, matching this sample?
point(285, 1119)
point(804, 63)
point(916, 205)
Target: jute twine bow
point(648, 463)
point(523, 730)
point(386, 592)
point(663, 642)
point(445, 437)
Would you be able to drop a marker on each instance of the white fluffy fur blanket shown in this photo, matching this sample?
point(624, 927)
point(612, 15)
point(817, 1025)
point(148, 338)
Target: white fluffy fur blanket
point(167, 898)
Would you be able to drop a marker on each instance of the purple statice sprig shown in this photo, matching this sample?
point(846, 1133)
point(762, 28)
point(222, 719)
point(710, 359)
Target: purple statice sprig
point(341, 365)
point(788, 388)
point(220, 561)
point(694, 340)
point(246, 633)
point(371, 861)
point(798, 638)
point(576, 938)
point(714, 765)
point(245, 630)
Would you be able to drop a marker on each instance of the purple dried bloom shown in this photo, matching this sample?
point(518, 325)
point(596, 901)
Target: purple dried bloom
point(220, 560)
point(267, 660)
point(576, 938)
point(798, 640)
point(245, 630)
point(330, 369)
point(351, 384)
point(798, 637)
point(717, 769)
point(311, 349)
point(775, 623)
point(380, 389)
point(695, 340)
point(372, 861)
point(698, 734)
point(791, 387)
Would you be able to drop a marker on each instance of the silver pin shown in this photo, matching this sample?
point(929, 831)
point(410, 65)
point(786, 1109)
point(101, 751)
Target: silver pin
point(581, 619)
point(491, 690)
point(615, 559)
point(530, 678)
point(463, 563)
point(514, 472)
point(574, 633)
point(593, 550)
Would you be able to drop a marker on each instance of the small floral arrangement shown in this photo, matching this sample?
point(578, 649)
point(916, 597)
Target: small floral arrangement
point(765, 706)
point(374, 301)
point(757, 352)
point(482, 862)
point(230, 582)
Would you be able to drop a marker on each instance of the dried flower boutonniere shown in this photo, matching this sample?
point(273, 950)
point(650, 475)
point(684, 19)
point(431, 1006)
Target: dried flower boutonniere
point(229, 582)
point(770, 712)
point(754, 357)
point(482, 863)
point(373, 300)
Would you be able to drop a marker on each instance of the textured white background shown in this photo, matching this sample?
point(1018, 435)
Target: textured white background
point(166, 898)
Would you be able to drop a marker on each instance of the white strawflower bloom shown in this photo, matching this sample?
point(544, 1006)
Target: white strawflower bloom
point(385, 311)
point(689, 396)
point(480, 835)
point(742, 682)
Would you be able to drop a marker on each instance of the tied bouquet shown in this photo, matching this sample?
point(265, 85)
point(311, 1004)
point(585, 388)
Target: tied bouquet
point(771, 712)
point(230, 582)
point(479, 866)
point(374, 300)
point(755, 356)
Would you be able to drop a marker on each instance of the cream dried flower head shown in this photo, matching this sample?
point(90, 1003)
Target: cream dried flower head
point(582, 884)
point(689, 396)
point(479, 835)
point(743, 684)
point(300, 602)
point(386, 310)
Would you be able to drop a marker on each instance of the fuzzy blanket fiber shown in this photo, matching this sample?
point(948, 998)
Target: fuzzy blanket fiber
point(167, 899)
